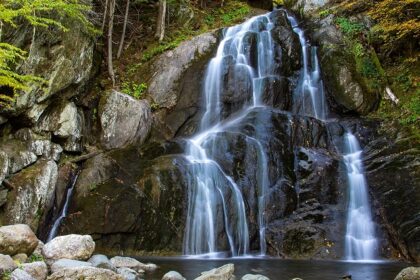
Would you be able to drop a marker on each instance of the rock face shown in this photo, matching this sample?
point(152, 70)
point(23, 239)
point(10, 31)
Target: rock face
point(346, 90)
point(87, 273)
point(66, 66)
point(124, 120)
point(34, 190)
point(73, 247)
point(392, 156)
point(16, 239)
point(129, 193)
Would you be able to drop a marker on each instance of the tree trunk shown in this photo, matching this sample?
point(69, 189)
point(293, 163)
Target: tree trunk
point(124, 29)
point(104, 17)
point(110, 29)
point(160, 27)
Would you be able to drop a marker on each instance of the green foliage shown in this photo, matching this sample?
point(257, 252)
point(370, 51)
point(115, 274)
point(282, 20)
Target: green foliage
point(7, 275)
point(349, 27)
point(37, 13)
point(154, 106)
point(35, 258)
point(133, 89)
point(232, 16)
point(324, 13)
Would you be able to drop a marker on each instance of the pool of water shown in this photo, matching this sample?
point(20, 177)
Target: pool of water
point(277, 269)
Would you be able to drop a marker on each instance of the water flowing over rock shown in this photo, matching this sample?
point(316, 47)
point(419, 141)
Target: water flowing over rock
point(16, 239)
point(124, 120)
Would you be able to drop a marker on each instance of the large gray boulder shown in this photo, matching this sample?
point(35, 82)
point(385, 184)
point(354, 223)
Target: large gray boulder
point(124, 120)
point(33, 191)
point(254, 277)
point(73, 246)
point(128, 273)
point(38, 270)
point(101, 261)
point(409, 273)
point(168, 68)
point(221, 273)
point(15, 239)
point(85, 273)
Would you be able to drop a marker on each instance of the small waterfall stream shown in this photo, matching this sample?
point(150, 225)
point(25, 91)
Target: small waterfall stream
point(360, 243)
point(63, 213)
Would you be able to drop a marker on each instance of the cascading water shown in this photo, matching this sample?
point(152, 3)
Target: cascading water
point(309, 96)
point(360, 243)
point(64, 210)
point(209, 185)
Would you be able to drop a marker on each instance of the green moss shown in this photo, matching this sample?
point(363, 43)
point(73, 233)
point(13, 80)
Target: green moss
point(349, 27)
point(133, 89)
point(35, 258)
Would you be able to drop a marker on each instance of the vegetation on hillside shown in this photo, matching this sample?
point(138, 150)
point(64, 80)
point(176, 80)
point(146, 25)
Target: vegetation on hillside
point(38, 14)
point(384, 38)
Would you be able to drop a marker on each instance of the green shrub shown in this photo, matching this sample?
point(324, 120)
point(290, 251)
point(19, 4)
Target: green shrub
point(349, 27)
point(133, 89)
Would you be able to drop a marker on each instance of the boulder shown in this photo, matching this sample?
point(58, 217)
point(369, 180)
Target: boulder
point(168, 68)
point(222, 273)
point(65, 121)
point(73, 246)
point(66, 263)
point(15, 239)
point(128, 273)
point(19, 274)
point(409, 273)
point(6, 264)
point(173, 275)
point(126, 262)
point(38, 270)
point(86, 273)
point(101, 261)
point(308, 6)
point(254, 277)
point(124, 120)
point(34, 189)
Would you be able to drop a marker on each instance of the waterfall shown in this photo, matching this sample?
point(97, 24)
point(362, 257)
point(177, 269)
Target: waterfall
point(360, 242)
point(309, 96)
point(209, 186)
point(64, 210)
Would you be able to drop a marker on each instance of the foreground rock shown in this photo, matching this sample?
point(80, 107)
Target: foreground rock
point(85, 273)
point(124, 120)
point(38, 270)
point(409, 273)
point(73, 246)
point(101, 261)
point(66, 263)
point(15, 239)
point(19, 274)
point(222, 273)
point(6, 264)
point(254, 277)
point(173, 275)
point(128, 273)
point(126, 262)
